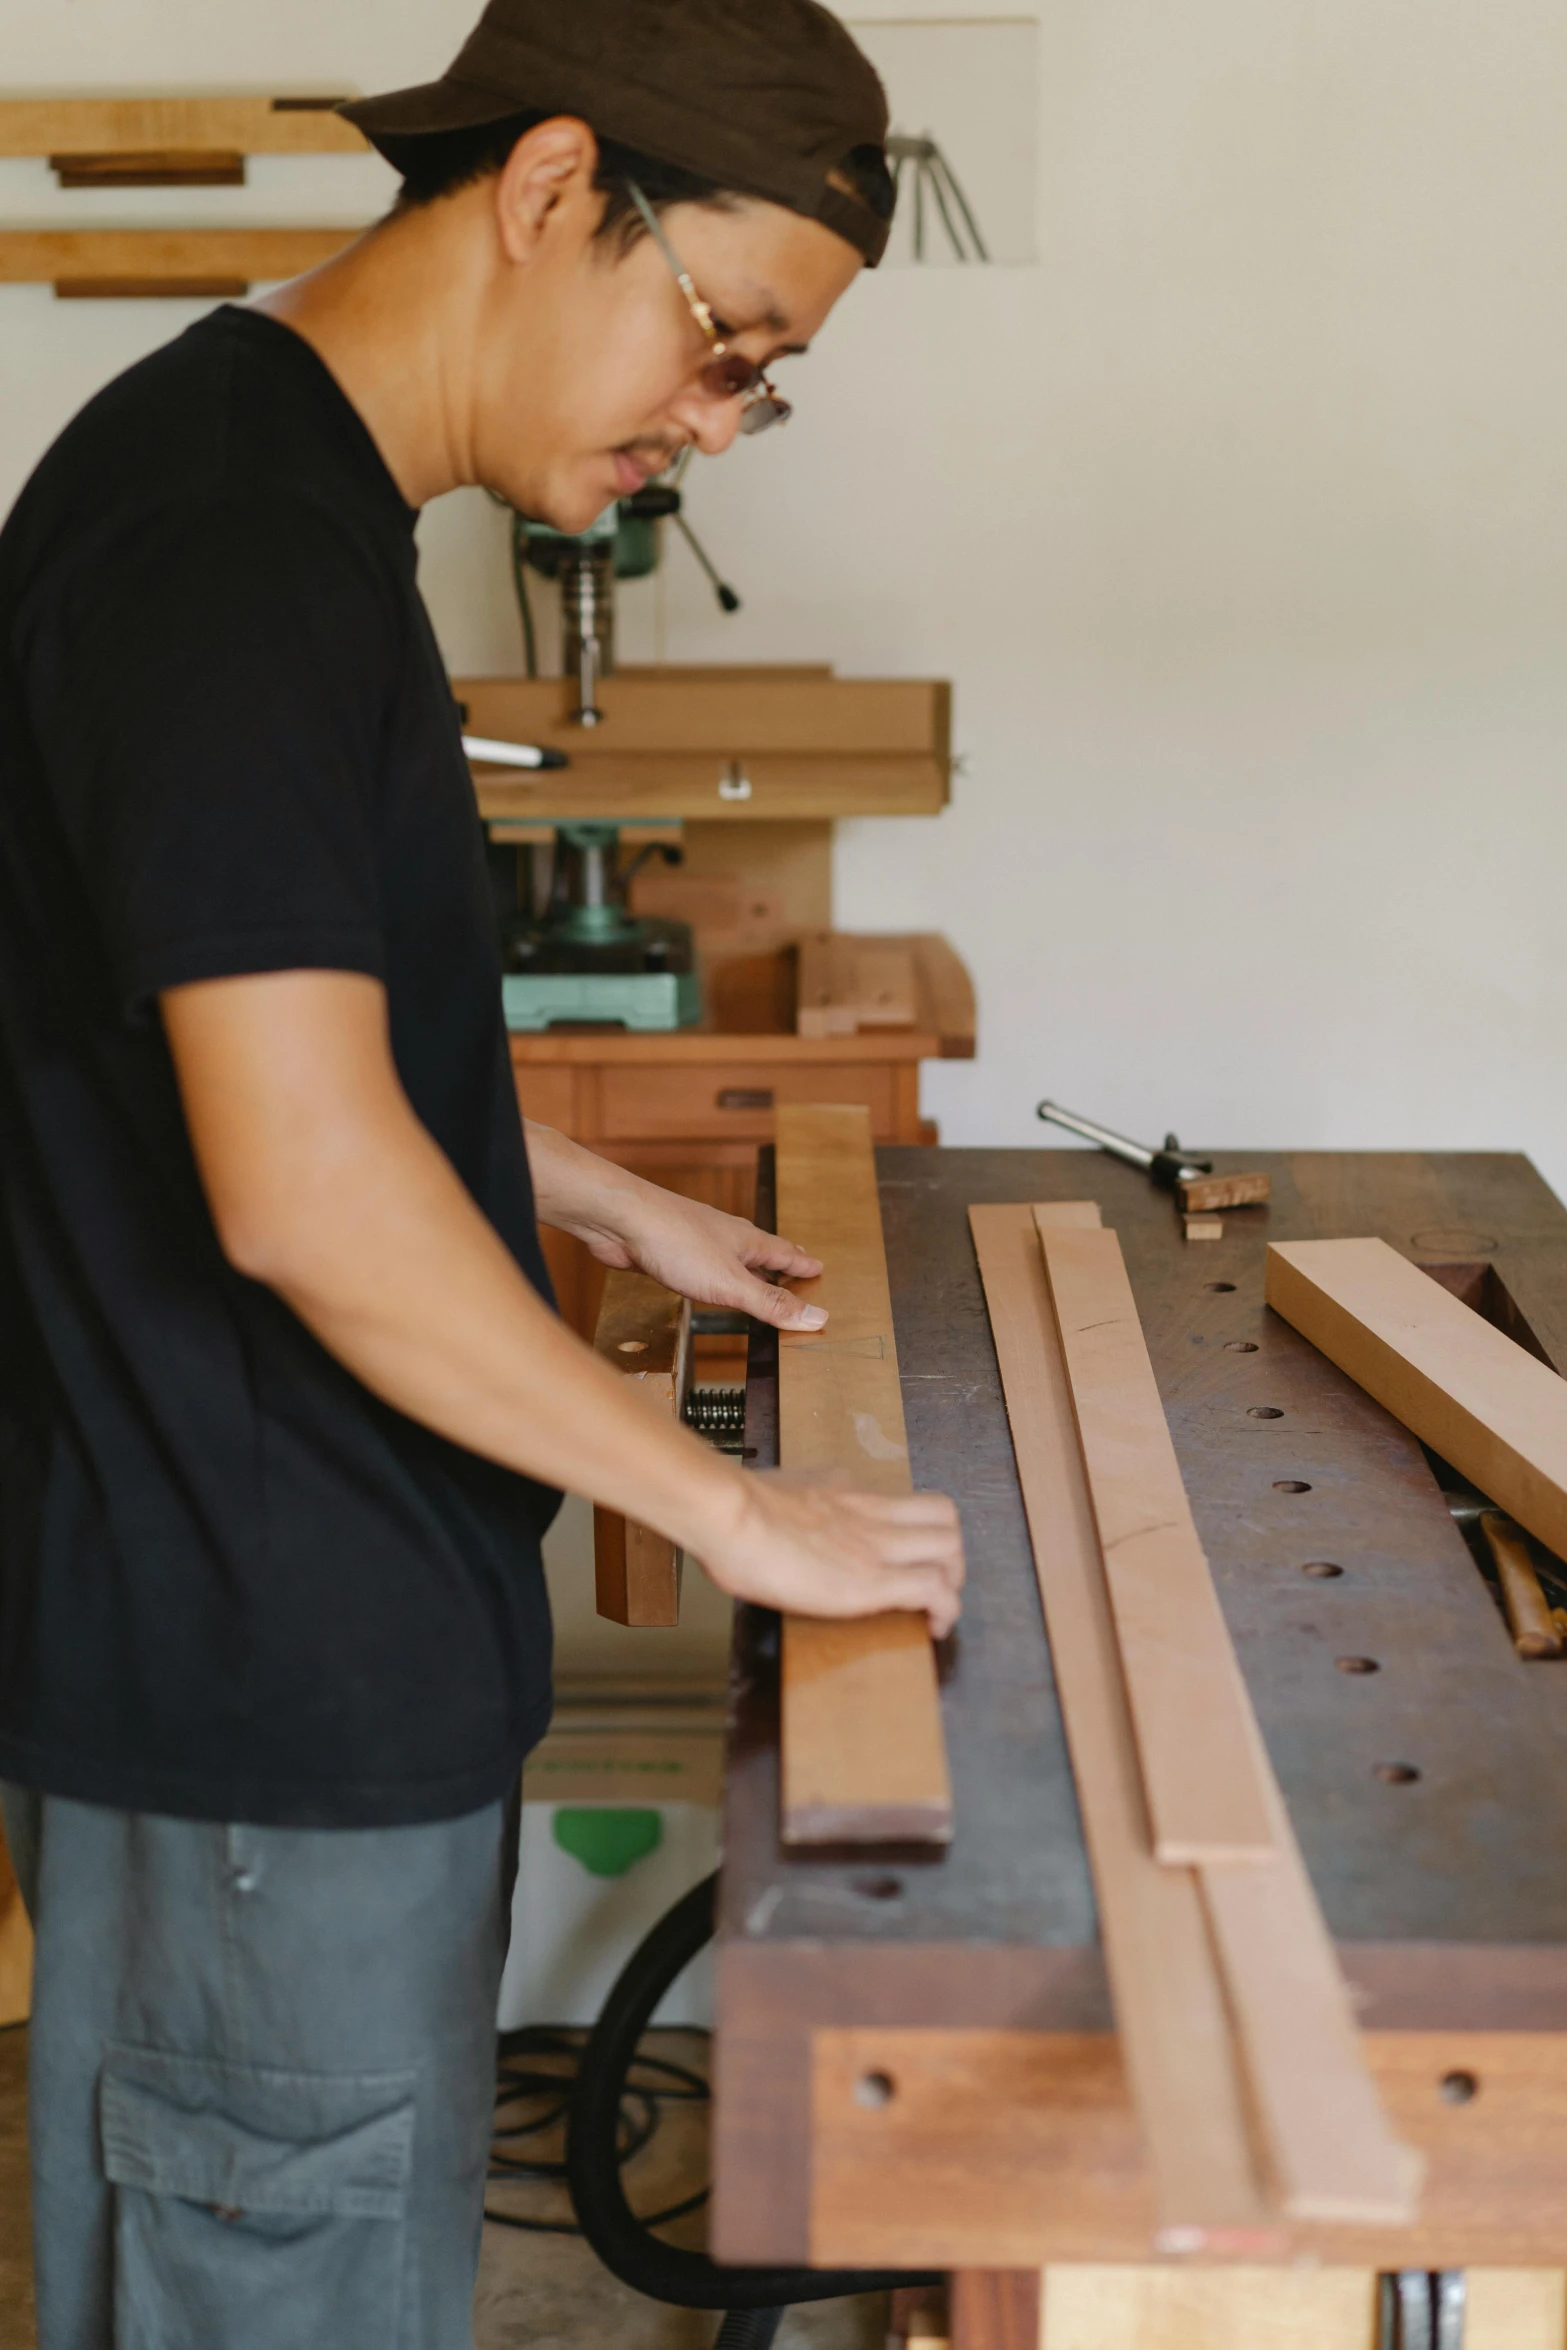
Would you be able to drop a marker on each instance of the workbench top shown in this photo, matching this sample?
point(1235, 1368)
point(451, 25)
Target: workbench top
point(1445, 1889)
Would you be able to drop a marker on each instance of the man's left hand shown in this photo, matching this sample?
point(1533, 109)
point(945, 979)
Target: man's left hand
point(700, 1252)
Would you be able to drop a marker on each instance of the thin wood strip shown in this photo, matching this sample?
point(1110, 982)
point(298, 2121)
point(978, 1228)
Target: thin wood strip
point(115, 255)
point(1331, 2153)
point(1207, 1798)
point(863, 1751)
point(1464, 1387)
point(1170, 2010)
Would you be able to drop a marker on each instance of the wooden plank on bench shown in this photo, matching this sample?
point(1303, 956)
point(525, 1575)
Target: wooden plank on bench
point(644, 1333)
point(863, 1753)
point(1175, 2035)
point(1205, 1789)
point(1465, 1388)
point(1228, 1997)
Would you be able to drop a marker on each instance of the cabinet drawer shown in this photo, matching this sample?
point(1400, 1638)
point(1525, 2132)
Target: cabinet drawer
point(733, 1100)
point(547, 1094)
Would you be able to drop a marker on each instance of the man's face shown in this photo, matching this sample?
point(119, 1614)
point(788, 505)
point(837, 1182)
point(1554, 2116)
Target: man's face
point(590, 378)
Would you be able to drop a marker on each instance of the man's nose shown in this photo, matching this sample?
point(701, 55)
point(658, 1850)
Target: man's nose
point(712, 424)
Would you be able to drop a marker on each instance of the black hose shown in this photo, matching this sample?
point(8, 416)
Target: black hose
point(689, 2280)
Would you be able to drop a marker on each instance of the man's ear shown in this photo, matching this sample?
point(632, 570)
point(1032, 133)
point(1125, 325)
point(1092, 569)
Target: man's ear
point(549, 172)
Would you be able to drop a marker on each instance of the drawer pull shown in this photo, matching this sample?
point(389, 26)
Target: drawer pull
point(746, 1097)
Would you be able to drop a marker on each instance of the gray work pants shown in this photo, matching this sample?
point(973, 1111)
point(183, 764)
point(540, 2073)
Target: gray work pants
point(262, 2068)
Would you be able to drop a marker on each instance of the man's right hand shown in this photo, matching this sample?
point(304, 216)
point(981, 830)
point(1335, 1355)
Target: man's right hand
point(819, 1551)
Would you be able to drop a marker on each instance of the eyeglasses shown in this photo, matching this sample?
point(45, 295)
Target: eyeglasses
point(727, 375)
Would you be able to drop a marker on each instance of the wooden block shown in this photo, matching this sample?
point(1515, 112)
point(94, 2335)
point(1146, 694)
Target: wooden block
point(996, 2309)
point(1477, 1398)
point(16, 1946)
point(644, 1332)
point(863, 1752)
point(1515, 2309)
point(825, 1006)
point(1206, 1793)
point(1210, 2309)
point(1204, 1228)
point(1204, 1192)
point(1175, 2034)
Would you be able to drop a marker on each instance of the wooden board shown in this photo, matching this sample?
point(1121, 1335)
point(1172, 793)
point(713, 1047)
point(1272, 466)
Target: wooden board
point(1096, 2308)
point(996, 2309)
point(1205, 1789)
point(1515, 2309)
point(863, 1753)
point(1470, 1392)
point(258, 125)
point(1175, 2036)
point(16, 1946)
point(172, 261)
point(644, 1333)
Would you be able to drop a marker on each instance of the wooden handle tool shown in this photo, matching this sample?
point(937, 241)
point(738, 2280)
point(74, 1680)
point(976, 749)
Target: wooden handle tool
point(1535, 1630)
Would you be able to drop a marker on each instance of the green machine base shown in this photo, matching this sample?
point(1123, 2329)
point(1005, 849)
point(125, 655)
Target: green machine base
point(648, 1000)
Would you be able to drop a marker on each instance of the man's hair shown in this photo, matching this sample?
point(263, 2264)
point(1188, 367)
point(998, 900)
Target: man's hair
point(438, 163)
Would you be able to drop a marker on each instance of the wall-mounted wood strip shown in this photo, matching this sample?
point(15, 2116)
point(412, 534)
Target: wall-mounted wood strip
point(185, 260)
point(150, 125)
point(1466, 1389)
point(644, 1333)
point(863, 1753)
point(1170, 2012)
point(1206, 1794)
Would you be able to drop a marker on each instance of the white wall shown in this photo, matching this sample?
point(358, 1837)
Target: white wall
point(1239, 520)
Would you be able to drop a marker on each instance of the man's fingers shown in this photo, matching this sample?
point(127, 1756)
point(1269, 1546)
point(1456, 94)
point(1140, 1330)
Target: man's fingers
point(769, 1252)
point(781, 1307)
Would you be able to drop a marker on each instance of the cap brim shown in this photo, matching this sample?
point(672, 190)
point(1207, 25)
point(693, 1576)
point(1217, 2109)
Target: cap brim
point(446, 105)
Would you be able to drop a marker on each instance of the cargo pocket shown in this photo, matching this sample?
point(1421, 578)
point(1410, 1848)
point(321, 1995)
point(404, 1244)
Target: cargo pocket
point(255, 2209)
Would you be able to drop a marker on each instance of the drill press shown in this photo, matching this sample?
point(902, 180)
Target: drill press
point(581, 955)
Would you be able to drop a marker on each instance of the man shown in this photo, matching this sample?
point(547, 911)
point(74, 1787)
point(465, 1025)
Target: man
point(284, 1408)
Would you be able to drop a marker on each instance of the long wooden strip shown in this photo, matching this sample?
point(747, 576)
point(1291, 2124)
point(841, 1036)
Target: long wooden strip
point(1477, 1398)
point(1170, 2011)
point(1207, 1800)
point(864, 1756)
point(1331, 2154)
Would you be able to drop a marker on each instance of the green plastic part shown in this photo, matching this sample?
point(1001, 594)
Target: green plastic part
point(648, 1000)
point(608, 1843)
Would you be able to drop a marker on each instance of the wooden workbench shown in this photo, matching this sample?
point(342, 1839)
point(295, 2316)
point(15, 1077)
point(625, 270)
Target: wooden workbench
point(916, 2061)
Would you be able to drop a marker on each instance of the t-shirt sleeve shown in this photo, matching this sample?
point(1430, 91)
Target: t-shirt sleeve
point(209, 707)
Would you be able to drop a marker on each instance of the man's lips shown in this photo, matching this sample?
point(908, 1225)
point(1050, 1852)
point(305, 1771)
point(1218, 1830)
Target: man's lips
point(634, 473)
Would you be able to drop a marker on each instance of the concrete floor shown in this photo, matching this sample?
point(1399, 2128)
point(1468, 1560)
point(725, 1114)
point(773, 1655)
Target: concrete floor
point(535, 2292)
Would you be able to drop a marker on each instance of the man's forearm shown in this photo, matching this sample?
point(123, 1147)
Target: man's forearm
point(349, 1211)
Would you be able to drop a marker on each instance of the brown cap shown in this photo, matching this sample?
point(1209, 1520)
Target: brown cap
point(769, 97)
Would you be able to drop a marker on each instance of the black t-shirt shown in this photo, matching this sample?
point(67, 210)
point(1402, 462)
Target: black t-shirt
point(234, 1585)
